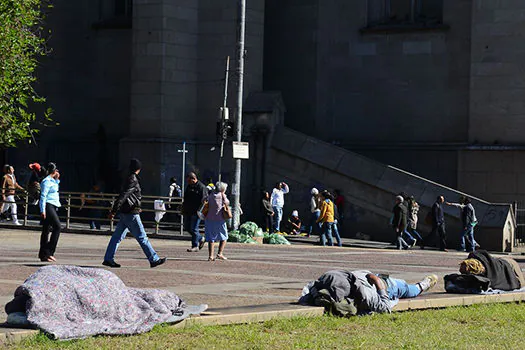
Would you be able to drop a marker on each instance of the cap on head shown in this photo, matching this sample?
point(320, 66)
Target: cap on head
point(399, 199)
point(314, 191)
point(295, 213)
point(134, 165)
point(35, 166)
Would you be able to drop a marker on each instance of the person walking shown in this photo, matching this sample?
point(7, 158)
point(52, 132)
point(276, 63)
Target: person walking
point(194, 195)
point(438, 223)
point(335, 228)
point(49, 205)
point(128, 205)
point(413, 210)
point(215, 224)
point(469, 221)
point(33, 185)
point(267, 212)
point(315, 212)
point(278, 203)
point(326, 218)
point(399, 222)
point(9, 187)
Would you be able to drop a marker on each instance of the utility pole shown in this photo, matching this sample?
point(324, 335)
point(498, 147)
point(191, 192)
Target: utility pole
point(223, 130)
point(240, 75)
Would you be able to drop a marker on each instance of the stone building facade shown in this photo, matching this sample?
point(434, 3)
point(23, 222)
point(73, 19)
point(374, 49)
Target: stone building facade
point(435, 87)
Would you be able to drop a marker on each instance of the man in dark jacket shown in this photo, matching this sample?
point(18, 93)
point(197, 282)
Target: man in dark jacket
point(438, 223)
point(399, 222)
point(194, 195)
point(128, 204)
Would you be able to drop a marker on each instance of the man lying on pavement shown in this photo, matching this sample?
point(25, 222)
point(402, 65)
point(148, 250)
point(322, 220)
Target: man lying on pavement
point(481, 272)
point(347, 293)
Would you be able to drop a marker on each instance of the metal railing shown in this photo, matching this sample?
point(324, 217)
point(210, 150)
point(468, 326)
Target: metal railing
point(87, 207)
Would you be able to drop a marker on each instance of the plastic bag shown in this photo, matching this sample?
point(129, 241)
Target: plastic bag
point(259, 233)
point(234, 236)
point(277, 239)
point(249, 228)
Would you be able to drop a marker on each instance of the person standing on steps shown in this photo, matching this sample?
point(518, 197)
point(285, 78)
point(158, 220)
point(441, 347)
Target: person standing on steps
point(399, 222)
point(267, 212)
point(278, 203)
point(315, 211)
point(326, 218)
point(9, 187)
point(49, 204)
point(128, 204)
point(194, 195)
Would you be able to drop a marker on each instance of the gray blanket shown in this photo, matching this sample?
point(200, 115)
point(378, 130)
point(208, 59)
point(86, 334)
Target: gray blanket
point(71, 302)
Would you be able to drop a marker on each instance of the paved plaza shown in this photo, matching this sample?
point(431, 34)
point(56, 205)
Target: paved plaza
point(253, 275)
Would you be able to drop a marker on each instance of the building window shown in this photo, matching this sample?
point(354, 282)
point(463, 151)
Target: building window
point(405, 12)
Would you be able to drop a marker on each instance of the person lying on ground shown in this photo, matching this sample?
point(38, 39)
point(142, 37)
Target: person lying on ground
point(481, 272)
point(346, 293)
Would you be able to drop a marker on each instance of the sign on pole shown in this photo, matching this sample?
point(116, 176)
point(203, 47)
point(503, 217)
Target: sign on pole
point(241, 150)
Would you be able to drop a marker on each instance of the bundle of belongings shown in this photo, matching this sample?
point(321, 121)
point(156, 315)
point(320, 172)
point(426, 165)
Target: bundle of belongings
point(70, 302)
point(347, 293)
point(483, 273)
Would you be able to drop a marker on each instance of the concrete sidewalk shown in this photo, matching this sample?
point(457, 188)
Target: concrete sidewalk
point(255, 278)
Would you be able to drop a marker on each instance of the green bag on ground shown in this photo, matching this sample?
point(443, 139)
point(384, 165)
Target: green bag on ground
point(249, 228)
point(277, 239)
point(234, 236)
point(259, 232)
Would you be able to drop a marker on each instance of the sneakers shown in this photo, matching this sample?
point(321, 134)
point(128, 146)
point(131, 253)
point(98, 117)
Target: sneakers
point(428, 282)
point(158, 262)
point(16, 223)
point(201, 243)
point(192, 250)
point(110, 264)
point(414, 243)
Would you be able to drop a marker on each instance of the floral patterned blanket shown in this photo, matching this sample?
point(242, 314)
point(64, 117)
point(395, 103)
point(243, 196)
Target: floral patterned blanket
point(70, 302)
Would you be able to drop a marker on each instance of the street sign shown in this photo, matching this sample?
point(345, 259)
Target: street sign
point(241, 150)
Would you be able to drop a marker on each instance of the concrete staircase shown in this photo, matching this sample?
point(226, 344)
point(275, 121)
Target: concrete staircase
point(370, 187)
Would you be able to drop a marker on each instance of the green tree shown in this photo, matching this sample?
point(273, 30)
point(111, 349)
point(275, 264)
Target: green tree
point(22, 43)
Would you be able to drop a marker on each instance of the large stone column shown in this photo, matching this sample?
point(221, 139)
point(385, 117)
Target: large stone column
point(163, 89)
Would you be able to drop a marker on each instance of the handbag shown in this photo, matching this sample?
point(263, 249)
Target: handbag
point(203, 210)
point(226, 211)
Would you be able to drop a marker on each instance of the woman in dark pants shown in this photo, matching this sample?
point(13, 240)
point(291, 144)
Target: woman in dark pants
point(267, 212)
point(49, 204)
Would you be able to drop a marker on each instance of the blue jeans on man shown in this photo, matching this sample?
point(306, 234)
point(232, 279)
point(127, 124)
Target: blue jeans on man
point(400, 289)
point(191, 225)
point(335, 230)
point(133, 224)
point(277, 219)
point(326, 234)
point(468, 233)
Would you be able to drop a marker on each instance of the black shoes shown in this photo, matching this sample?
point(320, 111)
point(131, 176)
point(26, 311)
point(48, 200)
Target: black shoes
point(110, 264)
point(158, 262)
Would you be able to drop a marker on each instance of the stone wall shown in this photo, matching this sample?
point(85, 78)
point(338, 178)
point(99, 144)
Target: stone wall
point(497, 106)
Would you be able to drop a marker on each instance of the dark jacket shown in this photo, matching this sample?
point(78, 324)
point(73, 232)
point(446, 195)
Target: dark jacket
point(400, 217)
point(128, 202)
point(438, 216)
point(267, 207)
point(194, 195)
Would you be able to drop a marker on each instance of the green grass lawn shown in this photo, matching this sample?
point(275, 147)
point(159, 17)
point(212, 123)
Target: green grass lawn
point(497, 326)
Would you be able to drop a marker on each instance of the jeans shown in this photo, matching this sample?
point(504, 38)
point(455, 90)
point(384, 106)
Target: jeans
point(191, 224)
point(133, 224)
point(95, 215)
point(414, 234)
point(400, 289)
point(314, 226)
point(469, 232)
point(400, 242)
point(335, 231)
point(48, 245)
point(277, 219)
point(268, 223)
point(327, 234)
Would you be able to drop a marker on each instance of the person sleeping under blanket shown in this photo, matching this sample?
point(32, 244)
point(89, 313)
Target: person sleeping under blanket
point(481, 272)
point(347, 293)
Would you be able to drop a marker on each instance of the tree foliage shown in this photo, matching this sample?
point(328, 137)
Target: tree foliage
point(21, 45)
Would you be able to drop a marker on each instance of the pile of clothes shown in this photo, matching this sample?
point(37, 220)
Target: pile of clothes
point(483, 273)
